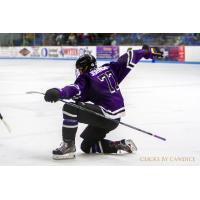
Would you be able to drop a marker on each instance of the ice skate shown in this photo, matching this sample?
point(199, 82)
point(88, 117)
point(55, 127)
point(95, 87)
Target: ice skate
point(66, 150)
point(127, 146)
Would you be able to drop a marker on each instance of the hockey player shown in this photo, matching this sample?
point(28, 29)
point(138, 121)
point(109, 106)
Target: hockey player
point(99, 85)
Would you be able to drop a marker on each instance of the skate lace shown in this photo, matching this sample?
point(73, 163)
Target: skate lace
point(62, 146)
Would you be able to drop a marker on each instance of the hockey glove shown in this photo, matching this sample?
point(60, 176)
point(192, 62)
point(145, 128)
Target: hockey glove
point(156, 52)
point(52, 95)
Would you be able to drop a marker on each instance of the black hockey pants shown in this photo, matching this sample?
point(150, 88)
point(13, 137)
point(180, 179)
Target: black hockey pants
point(94, 134)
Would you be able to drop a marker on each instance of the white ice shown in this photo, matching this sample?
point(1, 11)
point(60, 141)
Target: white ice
point(160, 98)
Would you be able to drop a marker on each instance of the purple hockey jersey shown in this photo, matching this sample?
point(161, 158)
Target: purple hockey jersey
point(101, 85)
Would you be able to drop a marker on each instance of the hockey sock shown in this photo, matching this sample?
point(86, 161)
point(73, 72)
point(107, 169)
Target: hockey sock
point(69, 129)
point(70, 123)
point(104, 146)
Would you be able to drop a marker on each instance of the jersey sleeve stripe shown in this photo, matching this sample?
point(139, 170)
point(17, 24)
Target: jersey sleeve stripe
point(130, 64)
point(77, 87)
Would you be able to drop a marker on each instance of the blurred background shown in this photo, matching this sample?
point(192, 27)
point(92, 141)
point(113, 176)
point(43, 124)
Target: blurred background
point(81, 39)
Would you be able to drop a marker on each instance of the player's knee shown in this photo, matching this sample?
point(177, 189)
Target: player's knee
point(85, 147)
point(69, 111)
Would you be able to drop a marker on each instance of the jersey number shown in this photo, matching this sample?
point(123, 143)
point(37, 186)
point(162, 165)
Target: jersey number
point(110, 80)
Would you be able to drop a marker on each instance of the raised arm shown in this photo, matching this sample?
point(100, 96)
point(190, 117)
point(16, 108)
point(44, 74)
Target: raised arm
point(127, 61)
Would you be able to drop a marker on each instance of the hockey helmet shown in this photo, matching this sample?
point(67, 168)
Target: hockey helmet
point(86, 62)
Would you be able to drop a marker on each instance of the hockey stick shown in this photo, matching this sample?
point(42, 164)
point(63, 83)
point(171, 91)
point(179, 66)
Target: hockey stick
point(98, 114)
point(4, 122)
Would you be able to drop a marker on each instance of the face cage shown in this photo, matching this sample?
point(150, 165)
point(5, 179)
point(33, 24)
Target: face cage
point(77, 71)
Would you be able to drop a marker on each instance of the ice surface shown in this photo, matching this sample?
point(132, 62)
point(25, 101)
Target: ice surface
point(160, 98)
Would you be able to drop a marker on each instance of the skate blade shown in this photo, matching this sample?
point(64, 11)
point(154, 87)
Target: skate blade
point(65, 156)
point(132, 146)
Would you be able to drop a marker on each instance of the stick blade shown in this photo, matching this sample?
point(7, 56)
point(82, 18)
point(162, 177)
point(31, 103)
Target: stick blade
point(34, 92)
point(6, 125)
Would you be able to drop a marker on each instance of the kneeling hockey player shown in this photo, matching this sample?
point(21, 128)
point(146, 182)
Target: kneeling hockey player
point(99, 85)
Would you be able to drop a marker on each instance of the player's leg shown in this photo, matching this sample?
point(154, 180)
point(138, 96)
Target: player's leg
point(67, 148)
point(71, 117)
point(94, 142)
point(95, 133)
